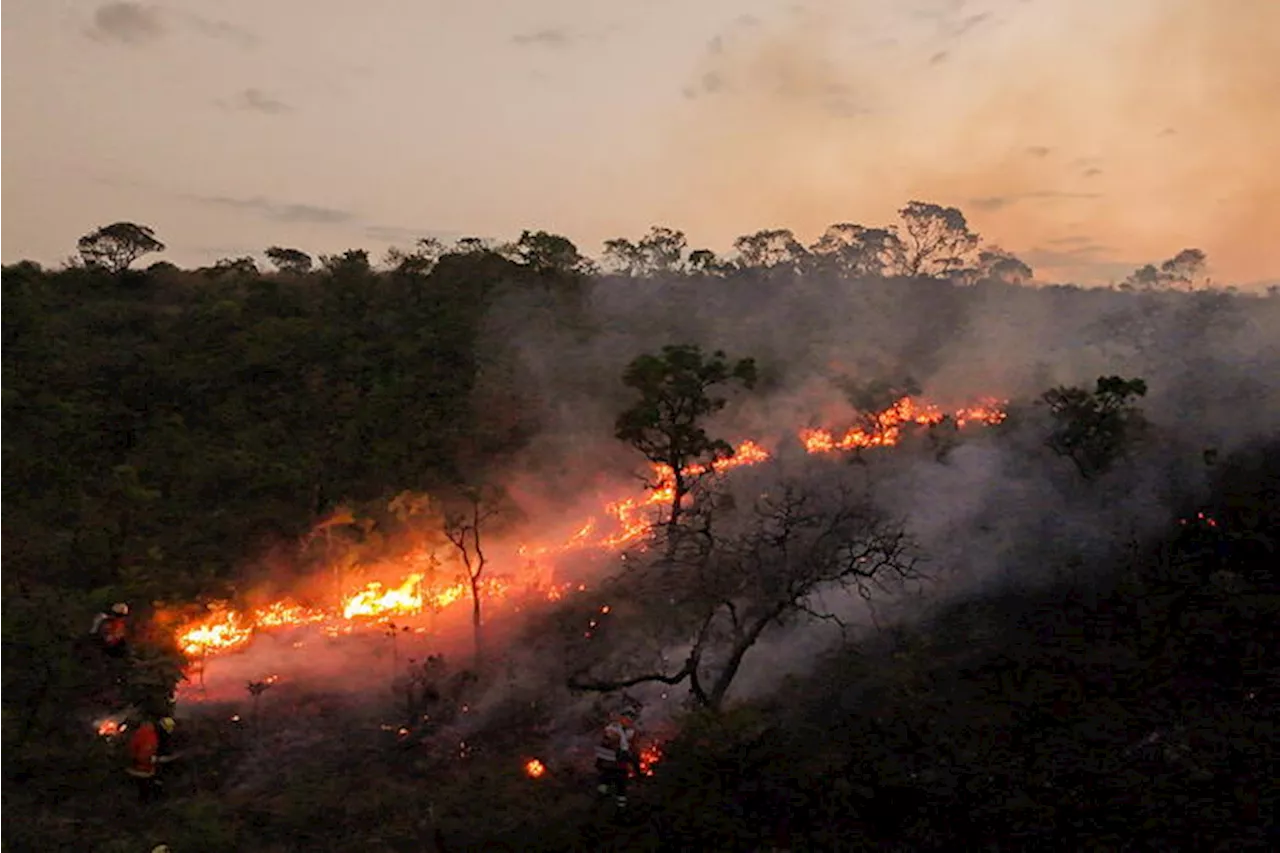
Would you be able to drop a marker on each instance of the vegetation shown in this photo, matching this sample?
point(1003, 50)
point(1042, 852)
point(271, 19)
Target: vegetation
point(667, 423)
point(166, 430)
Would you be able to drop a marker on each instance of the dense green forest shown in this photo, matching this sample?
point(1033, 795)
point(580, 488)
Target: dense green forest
point(1080, 645)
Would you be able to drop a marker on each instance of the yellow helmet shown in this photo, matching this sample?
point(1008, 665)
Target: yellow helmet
point(120, 609)
point(168, 724)
point(160, 848)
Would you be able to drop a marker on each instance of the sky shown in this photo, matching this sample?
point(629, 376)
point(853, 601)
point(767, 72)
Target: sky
point(1087, 136)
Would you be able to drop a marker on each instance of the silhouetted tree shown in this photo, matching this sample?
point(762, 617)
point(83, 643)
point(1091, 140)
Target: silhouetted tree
point(550, 253)
point(855, 251)
point(1095, 428)
point(115, 247)
point(769, 249)
point(292, 261)
point(937, 240)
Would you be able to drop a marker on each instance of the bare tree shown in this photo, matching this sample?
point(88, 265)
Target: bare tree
point(721, 591)
point(464, 524)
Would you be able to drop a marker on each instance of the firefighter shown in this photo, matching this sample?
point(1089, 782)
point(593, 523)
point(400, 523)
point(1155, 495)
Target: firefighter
point(616, 756)
point(148, 748)
point(111, 627)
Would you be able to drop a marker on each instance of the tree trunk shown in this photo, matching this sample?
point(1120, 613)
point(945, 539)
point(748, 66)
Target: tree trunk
point(476, 624)
point(718, 690)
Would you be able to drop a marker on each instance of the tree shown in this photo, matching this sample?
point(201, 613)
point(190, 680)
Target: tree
point(995, 264)
point(550, 253)
point(243, 267)
point(353, 263)
point(471, 246)
point(623, 256)
point(662, 250)
point(419, 260)
point(738, 574)
point(938, 241)
point(769, 249)
point(658, 252)
point(115, 247)
point(1184, 268)
point(666, 423)
point(294, 261)
point(1095, 428)
point(464, 523)
point(704, 261)
point(855, 251)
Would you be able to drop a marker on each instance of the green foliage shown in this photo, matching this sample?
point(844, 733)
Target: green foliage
point(676, 396)
point(1096, 428)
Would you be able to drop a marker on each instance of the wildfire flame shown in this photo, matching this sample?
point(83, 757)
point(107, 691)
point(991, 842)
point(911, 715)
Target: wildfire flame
point(373, 601)
point(225, 629)
point(534, 768)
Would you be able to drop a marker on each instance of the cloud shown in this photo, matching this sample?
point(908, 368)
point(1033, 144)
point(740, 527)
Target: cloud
point(997, 202)
point(137, 23)
point(549, 37)
point(300, 213)
point(220, 30)
point(256, 100)
point(758, 152)
point(127, 23)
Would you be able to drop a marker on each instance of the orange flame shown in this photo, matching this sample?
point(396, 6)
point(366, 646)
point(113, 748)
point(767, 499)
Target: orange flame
point(109, 727)
point(373, 601)
point(534, 768)
point(225, 629)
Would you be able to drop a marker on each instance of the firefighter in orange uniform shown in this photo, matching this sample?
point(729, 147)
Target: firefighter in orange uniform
point(148, 748)
point(616, 756)
point(111, 627)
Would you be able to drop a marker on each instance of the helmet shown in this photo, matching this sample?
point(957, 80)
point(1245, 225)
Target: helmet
point(160, 848)
point(168, 724)
point(120, 609)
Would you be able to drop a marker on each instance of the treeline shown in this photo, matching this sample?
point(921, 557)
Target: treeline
point(930, 240)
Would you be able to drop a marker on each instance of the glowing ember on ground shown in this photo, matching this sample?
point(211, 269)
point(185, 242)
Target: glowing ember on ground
point(109, 727)
point(534, 768)
point(649, 756)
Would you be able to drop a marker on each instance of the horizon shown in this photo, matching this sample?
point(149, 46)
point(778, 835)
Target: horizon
point(1085, 139)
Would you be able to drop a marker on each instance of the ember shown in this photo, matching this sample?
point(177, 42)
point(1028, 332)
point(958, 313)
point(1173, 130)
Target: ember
point(534, 768)
point(649, 756)
point(109, 727)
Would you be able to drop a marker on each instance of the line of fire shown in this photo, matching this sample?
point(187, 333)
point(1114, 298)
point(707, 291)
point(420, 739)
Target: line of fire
point(416, 602)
